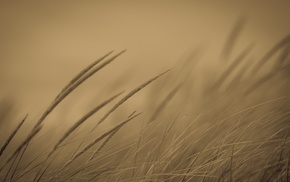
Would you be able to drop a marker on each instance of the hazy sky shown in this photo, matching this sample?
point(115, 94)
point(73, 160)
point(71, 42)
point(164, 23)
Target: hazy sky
point(43, 43)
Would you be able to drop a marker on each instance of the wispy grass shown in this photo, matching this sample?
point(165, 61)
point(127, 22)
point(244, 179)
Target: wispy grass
point(82, 120)
point(240, 133)
point(267, 57)
point(126, 97)
point(91, 144)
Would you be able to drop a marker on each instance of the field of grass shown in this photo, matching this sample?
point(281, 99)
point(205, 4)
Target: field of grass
point(230, 123)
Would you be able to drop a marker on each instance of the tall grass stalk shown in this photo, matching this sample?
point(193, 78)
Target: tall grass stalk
point(231, 125)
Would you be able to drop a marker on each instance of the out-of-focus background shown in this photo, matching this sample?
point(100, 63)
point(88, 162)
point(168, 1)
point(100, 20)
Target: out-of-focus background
point(213, 115)
point(44, 43)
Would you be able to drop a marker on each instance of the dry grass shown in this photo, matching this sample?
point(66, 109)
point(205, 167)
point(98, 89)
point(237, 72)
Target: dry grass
point(235, 129)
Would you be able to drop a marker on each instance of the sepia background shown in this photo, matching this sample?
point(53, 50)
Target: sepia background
point(221, 112)
point(44, 43)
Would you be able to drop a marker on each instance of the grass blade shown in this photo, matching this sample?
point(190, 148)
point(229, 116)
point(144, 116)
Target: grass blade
point(97, 140)
point(232, 39)
point(83, 119)
point(129, 95)
point(12, 136)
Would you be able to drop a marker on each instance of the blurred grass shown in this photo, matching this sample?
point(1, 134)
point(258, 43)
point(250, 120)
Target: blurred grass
point(229, 125)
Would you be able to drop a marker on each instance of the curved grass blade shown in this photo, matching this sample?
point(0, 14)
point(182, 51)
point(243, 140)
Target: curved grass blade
point(26, 141)
point(74, 86)
point(83, 119)
point(129, 95)
point(82, 72)
point(77, 155)
point(12, 135)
